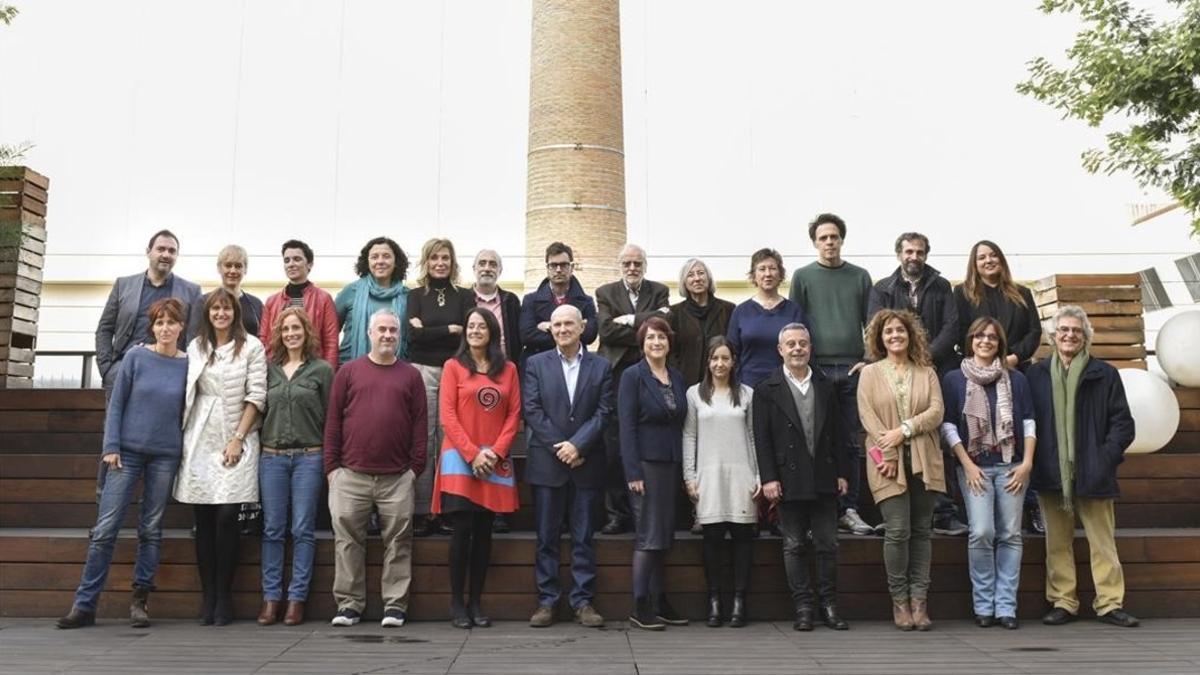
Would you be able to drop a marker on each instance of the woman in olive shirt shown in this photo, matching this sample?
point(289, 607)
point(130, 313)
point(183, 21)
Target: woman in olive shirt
point(291, 466)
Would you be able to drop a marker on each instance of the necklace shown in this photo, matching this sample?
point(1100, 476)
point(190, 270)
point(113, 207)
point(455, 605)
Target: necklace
point(441, 296)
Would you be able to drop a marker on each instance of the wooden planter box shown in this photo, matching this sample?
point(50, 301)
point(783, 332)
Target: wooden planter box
point(23, 197)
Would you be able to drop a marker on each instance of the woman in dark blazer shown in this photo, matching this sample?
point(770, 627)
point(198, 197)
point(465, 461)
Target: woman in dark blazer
point(700, 317)
point(988, 290)
point(652, 404)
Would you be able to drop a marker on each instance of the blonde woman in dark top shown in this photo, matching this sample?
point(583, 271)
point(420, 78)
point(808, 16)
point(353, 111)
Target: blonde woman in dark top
point(291, 469)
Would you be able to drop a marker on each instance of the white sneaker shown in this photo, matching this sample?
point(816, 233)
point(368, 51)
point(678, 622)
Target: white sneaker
point(345, 617)
point(851, 522)
point(393, 618)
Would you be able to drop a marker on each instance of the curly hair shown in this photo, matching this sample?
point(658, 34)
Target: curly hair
point(918, 341)
point(279, 352)
point(764, 254)
point(362, 267)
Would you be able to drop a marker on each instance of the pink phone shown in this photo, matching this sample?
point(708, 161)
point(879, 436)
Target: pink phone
point(876, 455)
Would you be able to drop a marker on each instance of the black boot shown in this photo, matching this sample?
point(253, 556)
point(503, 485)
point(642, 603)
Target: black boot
point(714, 610)
point(139, 617)
point(737, 615)
point(664, 612)
point(76, 618)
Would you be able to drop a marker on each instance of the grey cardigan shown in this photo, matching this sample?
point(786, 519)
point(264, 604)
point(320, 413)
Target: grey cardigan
point(115, 329)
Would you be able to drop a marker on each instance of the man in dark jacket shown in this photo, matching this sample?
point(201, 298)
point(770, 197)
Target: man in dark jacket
point(1083, 428)
point(622, 307)
point(921, 289)
point(560, 287)
point(803, 463)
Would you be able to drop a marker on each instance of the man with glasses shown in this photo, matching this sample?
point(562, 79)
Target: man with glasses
point(1083, 428)
point(622, 307)
point(560, 287)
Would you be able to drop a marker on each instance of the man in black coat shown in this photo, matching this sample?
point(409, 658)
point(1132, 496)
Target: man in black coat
point(1083, 428)
point(622, 307)
point(803, 463)
point(922, 290)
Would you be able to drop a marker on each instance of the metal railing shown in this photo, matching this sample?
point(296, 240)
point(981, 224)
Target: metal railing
point(89, 357)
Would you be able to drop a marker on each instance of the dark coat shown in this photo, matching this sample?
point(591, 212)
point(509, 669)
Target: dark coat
point(650, 431)
point(537, 307)
point(781, 446)
point(1104, 429)
point(938, 312)
point(1022, 327)
point(692, 335)
point(551, 417)
point(510, 308)
point(618, 342)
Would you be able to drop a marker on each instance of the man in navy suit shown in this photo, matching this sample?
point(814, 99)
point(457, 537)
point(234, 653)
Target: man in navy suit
point(567, 396)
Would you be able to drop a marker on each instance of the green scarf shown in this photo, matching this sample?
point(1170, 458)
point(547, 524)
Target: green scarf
point(1065, 386)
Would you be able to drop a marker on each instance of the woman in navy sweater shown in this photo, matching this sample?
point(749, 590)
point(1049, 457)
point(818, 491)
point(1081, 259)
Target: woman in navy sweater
point(143, 438)
point(652, 408)
point(989, 424)
point(755, 324)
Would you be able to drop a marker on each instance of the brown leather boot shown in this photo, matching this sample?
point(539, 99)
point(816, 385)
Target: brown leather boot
point(269, 613)
point(920, 614)
point(901, 615)
point(295, 613)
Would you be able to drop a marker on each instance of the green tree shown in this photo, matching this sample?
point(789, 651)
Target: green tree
point(1138, 73)
point(7, 12)
point(11, 154)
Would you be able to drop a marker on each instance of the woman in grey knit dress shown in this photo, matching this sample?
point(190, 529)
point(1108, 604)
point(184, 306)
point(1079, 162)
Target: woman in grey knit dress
point(721, 474)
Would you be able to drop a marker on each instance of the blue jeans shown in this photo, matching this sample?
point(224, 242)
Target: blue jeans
point(845, 386)
point(994, 542)
point(157, 473)
point(293, 480)
point(548, 506)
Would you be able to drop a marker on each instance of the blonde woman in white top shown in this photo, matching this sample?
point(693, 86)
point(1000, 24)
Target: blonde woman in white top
point(720, 470)
point(227, 388)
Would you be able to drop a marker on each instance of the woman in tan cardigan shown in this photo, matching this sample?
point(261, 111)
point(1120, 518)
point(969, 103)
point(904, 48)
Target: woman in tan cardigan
point(900, 405)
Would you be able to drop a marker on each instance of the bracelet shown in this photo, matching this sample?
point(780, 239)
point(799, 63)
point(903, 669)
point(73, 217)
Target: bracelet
point(239, 435)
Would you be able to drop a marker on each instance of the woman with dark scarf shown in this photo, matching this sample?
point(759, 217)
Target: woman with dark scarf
point(990, 426)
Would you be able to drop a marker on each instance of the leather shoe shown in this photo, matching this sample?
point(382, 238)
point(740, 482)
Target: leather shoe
point(829, 616)
point(501, 525)
point(1009, 622)
point(478, 618)
point(984, 621)
point(1119, 617)
point(294, 616)
point(803, 620)
point(543, 617)
point(77, 618)
point(614, 526)
point(714, 610)
point(1058, 616)
point(422, 526)
point(459, 618)
point(269, 613)
point(737, 615)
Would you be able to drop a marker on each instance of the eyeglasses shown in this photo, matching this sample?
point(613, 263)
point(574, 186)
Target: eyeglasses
point(632, 263)
point(1069, 330)
point(559, 265)
point(987, 337)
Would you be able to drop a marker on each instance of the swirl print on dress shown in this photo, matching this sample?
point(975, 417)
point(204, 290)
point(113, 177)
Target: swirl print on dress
point(488, 397)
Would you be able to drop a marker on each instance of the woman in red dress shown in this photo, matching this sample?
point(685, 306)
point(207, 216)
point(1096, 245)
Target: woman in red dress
point(480, 405)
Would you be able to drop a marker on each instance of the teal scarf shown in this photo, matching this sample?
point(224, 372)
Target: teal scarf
point(367, 289)
point(1065, 385)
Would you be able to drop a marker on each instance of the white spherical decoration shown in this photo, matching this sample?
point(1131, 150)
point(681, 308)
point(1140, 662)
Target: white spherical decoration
point(1154, 407)
point(1178, 348)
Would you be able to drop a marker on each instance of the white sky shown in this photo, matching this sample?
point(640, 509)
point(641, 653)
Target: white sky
point(254, 121)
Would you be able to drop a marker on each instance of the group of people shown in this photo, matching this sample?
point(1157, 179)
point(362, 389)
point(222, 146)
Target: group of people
point(406, 403)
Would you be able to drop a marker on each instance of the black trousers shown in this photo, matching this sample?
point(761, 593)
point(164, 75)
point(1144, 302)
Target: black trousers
point(796, 519)
point(616, 488)
point(217, 536)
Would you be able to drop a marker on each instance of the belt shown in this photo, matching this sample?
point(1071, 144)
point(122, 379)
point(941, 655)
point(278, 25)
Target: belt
point(288, 452)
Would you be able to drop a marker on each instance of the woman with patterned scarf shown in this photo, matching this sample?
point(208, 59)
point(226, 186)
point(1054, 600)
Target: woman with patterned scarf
point(989, 424)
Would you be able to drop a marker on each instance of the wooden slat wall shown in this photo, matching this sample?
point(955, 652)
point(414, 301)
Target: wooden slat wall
point(1113, 303)
point(23, 197)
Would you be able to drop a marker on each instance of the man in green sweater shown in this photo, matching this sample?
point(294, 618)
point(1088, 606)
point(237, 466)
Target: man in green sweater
point(834, 294)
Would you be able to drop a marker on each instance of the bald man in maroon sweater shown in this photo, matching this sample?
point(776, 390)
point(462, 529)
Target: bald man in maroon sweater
point(374, 450)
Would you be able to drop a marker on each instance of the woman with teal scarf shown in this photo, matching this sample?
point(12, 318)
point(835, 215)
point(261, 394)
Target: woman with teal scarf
point(381, 267)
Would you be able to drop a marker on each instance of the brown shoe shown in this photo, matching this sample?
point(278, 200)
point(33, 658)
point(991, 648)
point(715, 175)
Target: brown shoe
point(920, 615)
point(901, 615)
point(588, 617)
point(269, 613)
point(543, 617)
point(295, 613)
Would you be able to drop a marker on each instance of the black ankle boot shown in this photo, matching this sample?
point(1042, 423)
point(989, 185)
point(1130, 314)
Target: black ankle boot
point(737, 616)
point(139, 615)
point(208, 605)
point(223, 610)
point(714, 610)
point(77, 618)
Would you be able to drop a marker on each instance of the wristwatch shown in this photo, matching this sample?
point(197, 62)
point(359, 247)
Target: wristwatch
point(239, 435)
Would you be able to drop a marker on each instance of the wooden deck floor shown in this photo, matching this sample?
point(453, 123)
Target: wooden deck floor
point(180, 647)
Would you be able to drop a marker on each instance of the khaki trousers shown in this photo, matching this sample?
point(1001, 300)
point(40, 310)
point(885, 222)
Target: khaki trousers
point(1099, 525)
point(351, 495)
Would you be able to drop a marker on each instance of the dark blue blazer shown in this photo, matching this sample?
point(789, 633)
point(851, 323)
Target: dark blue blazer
point(537, 307)
point(649, 430)
point(551, 417)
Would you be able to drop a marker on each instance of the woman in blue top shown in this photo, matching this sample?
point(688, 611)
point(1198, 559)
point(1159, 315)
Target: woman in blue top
point(381, 267)
point(652, 408)
point(143, 438)
point(989, 424)
point(755, 324)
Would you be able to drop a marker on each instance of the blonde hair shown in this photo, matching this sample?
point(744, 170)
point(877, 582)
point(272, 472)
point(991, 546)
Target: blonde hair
point(433, 246)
